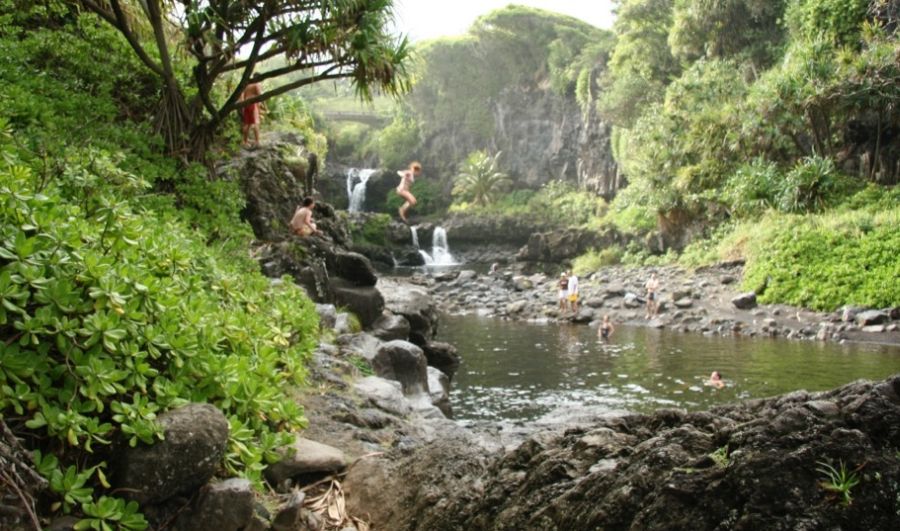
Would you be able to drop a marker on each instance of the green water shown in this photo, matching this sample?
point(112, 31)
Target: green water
point(515, 371)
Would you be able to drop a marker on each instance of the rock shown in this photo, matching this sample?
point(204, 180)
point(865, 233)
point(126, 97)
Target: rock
point(413, 303)
point(744, 301)
point(848, 313)
point(516, 307)
point(594, 303)
point(521, 283)
point(389, 327)
point(404, 362)
point(343, 324)
point(289, 514)
point(384, 394)
point(196, 437)
point(63, 523)
point(560, 245)
point(353, 267)
point(584, 315)
point(874, 329)
point(327, 315)
point(305, 457)
point(439, 390)
point(466, 275)
point(361, 344)
point(632, 301)
point(872, 317)
point(365, 302)
point(613, 290)
point(445, 276)
point(684, 302)
point(223, 506)
point(442, 356)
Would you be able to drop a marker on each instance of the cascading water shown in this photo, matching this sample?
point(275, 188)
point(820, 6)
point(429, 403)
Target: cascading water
point(356, 193)
point(440, 249)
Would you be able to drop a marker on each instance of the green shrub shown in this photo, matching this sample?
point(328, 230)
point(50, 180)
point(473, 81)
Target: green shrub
point(110, 316)
point(594, 260)
point(429, 196)
point(373, 231)
point(811, 185)
point(479, 180)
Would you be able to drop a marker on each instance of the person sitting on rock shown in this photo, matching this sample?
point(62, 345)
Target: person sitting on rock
point(606, 329)
point(715, 380)
point(652, 287)
point(302, 223)
point(573, 293)
point(563, 291)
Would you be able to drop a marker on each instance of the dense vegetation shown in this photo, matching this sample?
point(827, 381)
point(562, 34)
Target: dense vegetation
point(768, 123)
point(125, 284)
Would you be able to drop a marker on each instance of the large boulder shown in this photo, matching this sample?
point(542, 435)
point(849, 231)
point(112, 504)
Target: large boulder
point(304, 456)
point(389, 327)
point(272, 179)
point(353, 267)
point(559, 245)
point(442, 356)
point(366, 302)
point(404, 362)
point(384, 394)
point(872, 317)
point(413, 303)
point(196, 437)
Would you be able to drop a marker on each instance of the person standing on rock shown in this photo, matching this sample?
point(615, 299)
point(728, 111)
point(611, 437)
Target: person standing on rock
point(250, 114)
point(606, 329)
point(302, 224)
point(407, 177)
point(573, 293)
point(652, 287)
point(563, 291)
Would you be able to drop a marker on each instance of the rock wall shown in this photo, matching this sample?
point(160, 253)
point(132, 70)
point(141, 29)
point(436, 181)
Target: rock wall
point(543, 137)
point(759, 464)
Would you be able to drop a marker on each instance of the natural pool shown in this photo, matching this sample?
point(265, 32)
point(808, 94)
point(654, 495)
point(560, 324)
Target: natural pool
point(517, 371)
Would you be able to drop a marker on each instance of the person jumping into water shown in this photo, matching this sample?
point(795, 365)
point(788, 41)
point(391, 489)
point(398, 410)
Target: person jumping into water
point(407, 177)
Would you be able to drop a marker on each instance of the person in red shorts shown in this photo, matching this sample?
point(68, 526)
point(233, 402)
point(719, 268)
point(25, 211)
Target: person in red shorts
point(250, 114)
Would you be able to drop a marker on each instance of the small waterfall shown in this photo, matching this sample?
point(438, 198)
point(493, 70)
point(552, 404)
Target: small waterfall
point(440, 250)
point(356, 193)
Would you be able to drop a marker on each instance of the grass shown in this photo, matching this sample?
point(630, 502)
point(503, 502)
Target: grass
point(838, 480)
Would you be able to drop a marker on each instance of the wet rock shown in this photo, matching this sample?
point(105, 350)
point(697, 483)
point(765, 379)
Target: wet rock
point(389, 327)
point(365, 302)
point(584, 315)
point(306, 457)
point(442, 356)
point(196, 436)
point(413, 303)
point(354, 267)
point(223, 506)
point(404, 362)
point(744, 301)
point(872, 317)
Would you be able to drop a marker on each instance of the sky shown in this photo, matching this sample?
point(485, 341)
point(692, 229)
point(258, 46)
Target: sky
point(426, 19)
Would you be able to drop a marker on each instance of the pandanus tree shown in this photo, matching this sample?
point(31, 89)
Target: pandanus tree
point(227, 45)
point(479, 180)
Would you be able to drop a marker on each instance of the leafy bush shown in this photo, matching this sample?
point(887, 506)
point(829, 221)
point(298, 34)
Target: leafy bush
point(594, 260)
point(373, 231)
point(479, 180)
point(429, 196)
point(110, 316)
point(753, 188)
point(811, 185)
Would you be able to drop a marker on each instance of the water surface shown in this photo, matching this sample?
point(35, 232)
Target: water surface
point(516, 371)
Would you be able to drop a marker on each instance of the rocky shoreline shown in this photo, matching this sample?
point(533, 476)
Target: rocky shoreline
point(704, 301)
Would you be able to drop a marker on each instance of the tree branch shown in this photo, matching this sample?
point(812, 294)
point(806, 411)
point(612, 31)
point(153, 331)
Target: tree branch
point(117, 20)
point(324, 76)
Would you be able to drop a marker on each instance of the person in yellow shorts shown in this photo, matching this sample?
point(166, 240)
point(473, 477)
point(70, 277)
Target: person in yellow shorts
point(573, 293)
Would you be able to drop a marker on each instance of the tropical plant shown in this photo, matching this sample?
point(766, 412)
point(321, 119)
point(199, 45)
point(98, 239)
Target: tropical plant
point(328, 39)
point(838, 480)
point(479, 180)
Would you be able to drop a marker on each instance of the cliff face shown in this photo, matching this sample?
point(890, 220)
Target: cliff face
point(543, 137)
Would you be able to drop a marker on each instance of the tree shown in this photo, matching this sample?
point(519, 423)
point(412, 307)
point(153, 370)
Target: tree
point(229, 39)
point(479, 180)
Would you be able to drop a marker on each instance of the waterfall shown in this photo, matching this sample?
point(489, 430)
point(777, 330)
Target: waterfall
point(356, 194)
point(440, 250)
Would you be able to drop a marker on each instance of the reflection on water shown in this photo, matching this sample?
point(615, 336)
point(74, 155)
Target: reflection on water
point(520, 371)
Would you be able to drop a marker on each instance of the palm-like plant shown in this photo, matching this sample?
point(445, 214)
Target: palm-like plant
point(479, 180)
